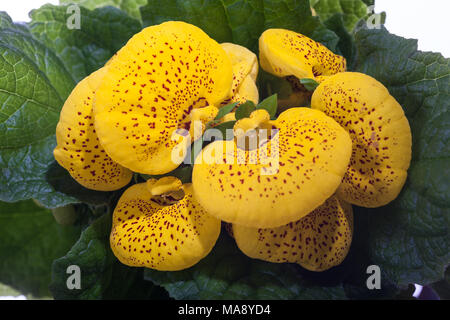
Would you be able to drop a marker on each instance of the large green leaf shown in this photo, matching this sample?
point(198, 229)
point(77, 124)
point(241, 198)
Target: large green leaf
point(102, 275)
point(346, 44)
point(226, 273)
point(241, 21)
point(36, 76)
point(7, 23)
point(410, 238)
point(352, 10)
point(102, 33)
point(33, 86)
point(30, 239)
point(129, 6)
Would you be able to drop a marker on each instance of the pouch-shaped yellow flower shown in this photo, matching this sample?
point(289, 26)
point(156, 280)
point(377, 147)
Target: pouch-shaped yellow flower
point(152, 86)
point(287, 53)
point(78, 148)
point(317, 242)
point(279, 179)
point(380, 133)
point(160, 225)
point(245, 72)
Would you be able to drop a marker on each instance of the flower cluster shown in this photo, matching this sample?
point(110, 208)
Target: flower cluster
point(284, 184)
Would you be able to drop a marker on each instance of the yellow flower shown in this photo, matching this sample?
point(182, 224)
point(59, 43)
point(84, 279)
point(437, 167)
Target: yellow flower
point(287, 53)
point(380, 133)
point(245, 72)
point(278, 179)
point(78, 148)
point(317, 242)
point(152, 87)
point(160, 225)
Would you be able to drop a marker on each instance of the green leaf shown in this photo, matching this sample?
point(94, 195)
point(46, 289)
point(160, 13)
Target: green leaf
point(223, 111)
point(60, 179)
point(7, 23)
point(226, 273)
point(33, 86)
point(346, 45)
point(241, 21)
point(30, 239)
point(34, 83)
point(309, 84)
point(442, 287)
point(244, 110)
point(45, 60)
point(102, 33)
point(297, 16)
point(269, 84)
point(5, 20)
point(352, 10)
point(210, 16)
point(129, 6)
point(102, 275)
point(65, 216)
point(409, 239)
point(269, 104)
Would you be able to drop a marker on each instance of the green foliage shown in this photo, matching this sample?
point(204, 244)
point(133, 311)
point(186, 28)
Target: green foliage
point(442, 288)
point(60, 179)
point(40, 64)
point(241, 21)
point(227, 274)
point(33, 86)
point(102, 33)
point(270, 105)
point(244, 110)
point(309, 84)
point(38, 72)
point(352, 10)
point(102, 275)
point(269, 84)
point(410, 238)
point(223, 111)
point(30, 239)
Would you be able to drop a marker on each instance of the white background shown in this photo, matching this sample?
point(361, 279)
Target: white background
point(425, 20)
point(428, 21)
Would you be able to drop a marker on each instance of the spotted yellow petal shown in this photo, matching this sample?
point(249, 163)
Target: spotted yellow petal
point(245, 72)
point(78, 148)
point(248, 91)
point(279, 180)
point(317, 242)
point(287, 53)
point(162, 237)
point(380, 133)
point(153, 84)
